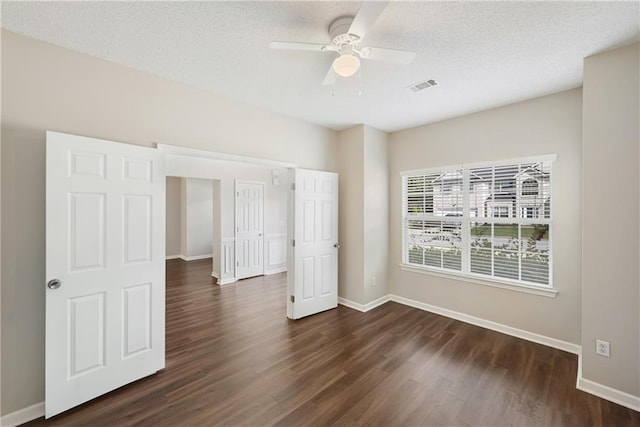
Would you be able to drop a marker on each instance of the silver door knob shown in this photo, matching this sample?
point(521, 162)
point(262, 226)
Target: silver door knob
point(336, 245)
point(54, 284)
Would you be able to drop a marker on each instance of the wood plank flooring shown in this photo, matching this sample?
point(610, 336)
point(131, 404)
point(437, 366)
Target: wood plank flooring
point(233, 358)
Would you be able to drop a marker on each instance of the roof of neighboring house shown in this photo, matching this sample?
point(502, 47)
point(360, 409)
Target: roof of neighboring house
point(501, 197)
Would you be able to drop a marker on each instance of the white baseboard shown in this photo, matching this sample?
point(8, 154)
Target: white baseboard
point(488, 324)
point(363, 307)
point(611, 394)
point(168, 257)
point(275, 270)
point(227, 281)
point(215, 274)
point(196, 257)
point(22, 416)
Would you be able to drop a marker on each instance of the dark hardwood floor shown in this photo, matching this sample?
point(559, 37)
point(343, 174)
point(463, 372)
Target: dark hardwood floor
point(233, 358)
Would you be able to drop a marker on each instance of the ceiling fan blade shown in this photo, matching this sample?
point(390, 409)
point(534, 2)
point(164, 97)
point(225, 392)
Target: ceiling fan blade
point(389, 55)
point(366, 16)
point(298, 46)
point(330, 78)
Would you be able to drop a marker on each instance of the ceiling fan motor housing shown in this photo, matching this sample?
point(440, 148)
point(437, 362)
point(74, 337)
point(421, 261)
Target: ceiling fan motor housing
point(338, 31)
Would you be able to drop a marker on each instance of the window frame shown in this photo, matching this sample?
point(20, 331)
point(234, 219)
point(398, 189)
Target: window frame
point(467, 219)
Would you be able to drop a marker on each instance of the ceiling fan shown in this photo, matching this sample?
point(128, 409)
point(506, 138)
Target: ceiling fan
point(346, 34)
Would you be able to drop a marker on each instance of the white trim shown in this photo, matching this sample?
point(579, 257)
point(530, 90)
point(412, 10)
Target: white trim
point(215, 274)
point(605, 392)
point(363, 307)
point(168, 257)
point(453, 275)
point(228, 281)
point(23, 415)
point(193, 152)
point(196, 257)
point(269, 272)
point(488, 324)
point(271, 267)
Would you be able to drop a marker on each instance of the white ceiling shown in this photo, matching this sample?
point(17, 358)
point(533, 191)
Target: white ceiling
point(482, 54)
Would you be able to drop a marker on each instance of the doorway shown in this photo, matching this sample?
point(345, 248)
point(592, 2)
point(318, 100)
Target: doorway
point(249, 237)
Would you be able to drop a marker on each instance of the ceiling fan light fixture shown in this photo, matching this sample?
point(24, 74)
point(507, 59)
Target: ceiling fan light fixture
point(346, 65)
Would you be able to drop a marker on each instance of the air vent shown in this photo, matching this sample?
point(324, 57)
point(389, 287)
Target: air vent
point(423, 85)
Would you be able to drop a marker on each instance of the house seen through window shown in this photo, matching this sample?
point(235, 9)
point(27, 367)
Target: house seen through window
point(488, 221)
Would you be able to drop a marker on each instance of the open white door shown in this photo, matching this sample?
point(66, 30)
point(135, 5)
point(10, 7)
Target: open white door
point(105, 269)
point(315, 244)
point(249, 229)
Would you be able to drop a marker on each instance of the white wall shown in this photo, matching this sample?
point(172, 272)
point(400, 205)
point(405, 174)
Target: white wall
point(45, 87)
point(611, 219)
point(551, 124)
point(173, 217)
point(197, 223)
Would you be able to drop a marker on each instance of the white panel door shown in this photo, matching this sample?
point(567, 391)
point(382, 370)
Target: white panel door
point(315, 252)
point(249, 229)
point(104, 267)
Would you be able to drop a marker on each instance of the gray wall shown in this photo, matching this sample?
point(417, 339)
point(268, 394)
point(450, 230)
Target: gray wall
point(173, 219)
point(363, 214)
point(611, 219)
point(351, 214)
point(45, 87)
point(197, 223)
point(552, 124)
point(376, 214)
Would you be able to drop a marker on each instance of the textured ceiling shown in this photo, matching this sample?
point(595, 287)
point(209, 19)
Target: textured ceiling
point(482, 54)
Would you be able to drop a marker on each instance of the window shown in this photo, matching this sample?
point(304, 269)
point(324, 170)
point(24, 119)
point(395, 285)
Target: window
point(501, 211)
point(530, 212)
point(472, 220)
point(433, 225)
point(530, 187)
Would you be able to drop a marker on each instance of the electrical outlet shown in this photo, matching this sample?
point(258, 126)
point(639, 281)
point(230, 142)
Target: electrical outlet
point(373, 281)
point(602, 348)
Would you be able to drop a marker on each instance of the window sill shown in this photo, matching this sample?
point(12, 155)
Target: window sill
point(549, 293)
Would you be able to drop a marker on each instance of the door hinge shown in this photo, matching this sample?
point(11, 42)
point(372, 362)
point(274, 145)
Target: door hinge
point(293, 243)
point(237, 263)
point(293, 186)
point(293, 298)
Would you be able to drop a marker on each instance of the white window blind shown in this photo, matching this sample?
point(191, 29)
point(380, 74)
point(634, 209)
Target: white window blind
point(491, 221)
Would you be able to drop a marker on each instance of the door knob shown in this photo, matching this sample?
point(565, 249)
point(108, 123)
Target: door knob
point(336, 245)
point(54, 284)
